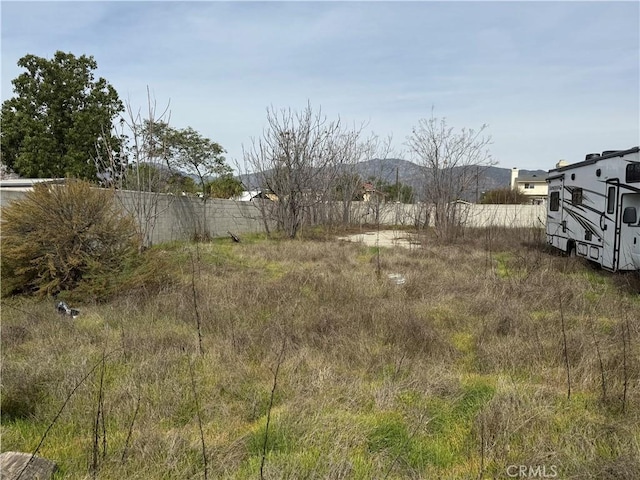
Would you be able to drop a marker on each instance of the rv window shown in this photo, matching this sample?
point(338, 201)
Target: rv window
point(554, 201)
point(629, 215)
point(611, 200)
point(633, 172)
point(576, 196)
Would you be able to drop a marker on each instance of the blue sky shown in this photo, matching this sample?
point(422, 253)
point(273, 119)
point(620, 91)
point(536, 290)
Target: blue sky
point(551, 79)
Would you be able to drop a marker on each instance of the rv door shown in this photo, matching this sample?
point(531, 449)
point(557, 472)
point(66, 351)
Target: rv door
point(629, 243)
point(556, 233)
point(608, 225)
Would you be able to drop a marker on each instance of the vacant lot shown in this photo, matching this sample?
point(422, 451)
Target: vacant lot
point(300, 359)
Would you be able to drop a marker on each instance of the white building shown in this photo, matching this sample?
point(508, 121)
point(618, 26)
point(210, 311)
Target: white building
point(533, 186)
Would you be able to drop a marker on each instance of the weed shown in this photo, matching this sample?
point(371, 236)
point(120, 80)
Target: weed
point(459, 370)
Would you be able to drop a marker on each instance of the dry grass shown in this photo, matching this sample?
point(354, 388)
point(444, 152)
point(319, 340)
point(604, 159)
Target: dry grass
point(461, 369)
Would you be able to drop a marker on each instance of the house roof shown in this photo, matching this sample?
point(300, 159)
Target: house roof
point(249, 195)
point(369, 187)
point(246, 196)
point(532, 178)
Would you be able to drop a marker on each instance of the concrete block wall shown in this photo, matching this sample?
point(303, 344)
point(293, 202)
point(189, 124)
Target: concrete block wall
point(471, 215)
point(170, 218)
point(389, 213)
point(8, 196)
point(478, 215)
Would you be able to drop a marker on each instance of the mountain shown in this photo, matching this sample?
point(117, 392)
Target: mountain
point(412, 174)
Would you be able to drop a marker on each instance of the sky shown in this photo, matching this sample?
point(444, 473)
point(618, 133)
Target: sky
point(551, 80)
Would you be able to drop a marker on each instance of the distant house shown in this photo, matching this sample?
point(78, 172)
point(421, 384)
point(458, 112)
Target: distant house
point(370, 193)
point(249, 195)
point(533, 186)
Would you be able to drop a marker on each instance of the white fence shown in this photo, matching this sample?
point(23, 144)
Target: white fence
point(504, 215)
point(470, 214)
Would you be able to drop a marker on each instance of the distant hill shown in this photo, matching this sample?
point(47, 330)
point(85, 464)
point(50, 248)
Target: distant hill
point(412, 174)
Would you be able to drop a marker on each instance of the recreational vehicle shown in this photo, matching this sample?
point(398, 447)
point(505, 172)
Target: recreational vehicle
point(593, 209)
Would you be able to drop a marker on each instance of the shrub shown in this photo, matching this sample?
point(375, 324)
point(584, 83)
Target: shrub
point(509, 196)
point(57, 235)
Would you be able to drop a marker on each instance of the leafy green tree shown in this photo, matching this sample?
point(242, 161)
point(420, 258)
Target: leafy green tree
point(157, 179)
point(179, 183)
point(225, 186)
point(58, 117)
point(400, 192)
point(187, 150)
point(193, 152)
point(146, 177)
point(505, 196)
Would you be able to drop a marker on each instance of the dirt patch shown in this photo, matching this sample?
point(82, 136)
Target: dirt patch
point(385, 238)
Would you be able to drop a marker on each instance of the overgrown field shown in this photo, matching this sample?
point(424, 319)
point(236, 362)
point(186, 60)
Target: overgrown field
point(493, 356)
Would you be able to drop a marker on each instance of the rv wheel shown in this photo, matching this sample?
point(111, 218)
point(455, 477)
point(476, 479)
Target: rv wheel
point(571, 250)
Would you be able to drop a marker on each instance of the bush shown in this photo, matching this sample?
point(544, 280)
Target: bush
point(57, 235)
point(509, 196)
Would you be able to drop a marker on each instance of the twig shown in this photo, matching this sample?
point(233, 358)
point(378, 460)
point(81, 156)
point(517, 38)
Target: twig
point(378, 269)
point(566, 355)
point(603, 382)
point(96, 426)
point(273, 391)
point(625, 340)
point(482, 441)
point(130, 432)
point(123, 341)
point(199, 417)
point(194, 296)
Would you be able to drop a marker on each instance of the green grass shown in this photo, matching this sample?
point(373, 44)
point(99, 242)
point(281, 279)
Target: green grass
point(459, 368)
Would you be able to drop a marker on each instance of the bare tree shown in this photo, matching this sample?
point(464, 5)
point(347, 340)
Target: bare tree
point(295, 161)
point(138, 164)
point(452, 163)
point(356, 149)
point(186, 150)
